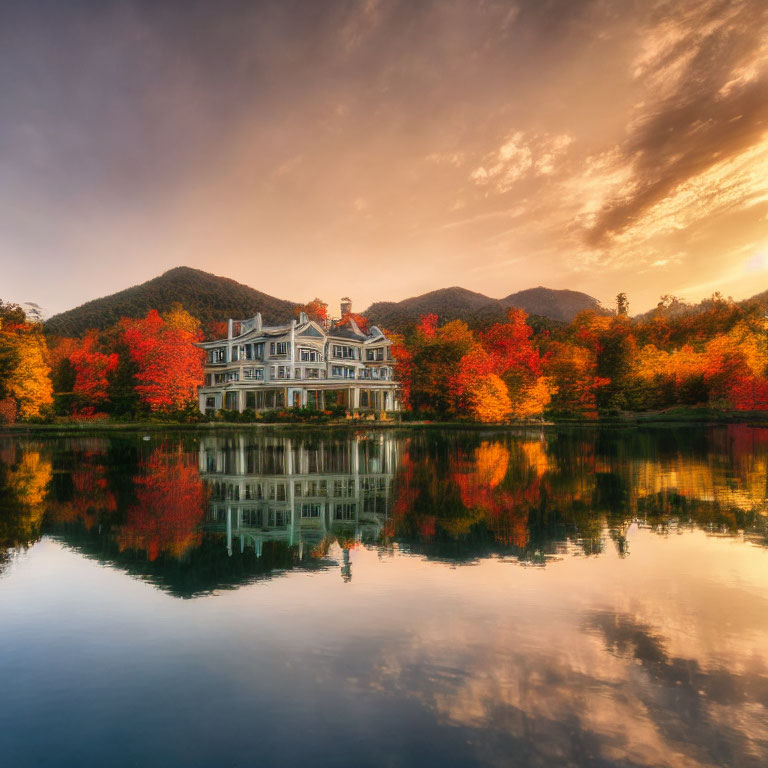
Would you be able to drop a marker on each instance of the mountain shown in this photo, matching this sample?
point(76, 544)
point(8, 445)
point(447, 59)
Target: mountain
point(206, 296)
point(477, 310)
point(448, 304)
point(561, 305)
point(210, 298)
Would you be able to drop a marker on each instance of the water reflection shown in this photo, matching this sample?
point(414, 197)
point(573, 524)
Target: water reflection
point(303, 493)
point(639, 637)
point(194, 513)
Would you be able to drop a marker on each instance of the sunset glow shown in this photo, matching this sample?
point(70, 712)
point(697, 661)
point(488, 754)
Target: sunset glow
point(385, 149)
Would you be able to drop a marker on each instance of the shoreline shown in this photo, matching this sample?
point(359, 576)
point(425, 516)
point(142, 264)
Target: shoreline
point(682, 418)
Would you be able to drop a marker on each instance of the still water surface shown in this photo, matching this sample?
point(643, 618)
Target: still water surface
point(386, 598)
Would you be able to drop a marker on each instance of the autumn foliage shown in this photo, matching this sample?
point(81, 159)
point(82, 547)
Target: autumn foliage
point(169, 366)
point(715, 356)
point(25, 383)
point(450, 371)
point(711, 356)
point(316, 310)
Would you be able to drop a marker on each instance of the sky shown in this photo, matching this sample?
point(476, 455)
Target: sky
point(384, 148)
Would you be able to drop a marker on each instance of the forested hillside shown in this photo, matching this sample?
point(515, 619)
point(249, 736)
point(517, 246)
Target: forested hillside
point(207, 297)
point(477, 310)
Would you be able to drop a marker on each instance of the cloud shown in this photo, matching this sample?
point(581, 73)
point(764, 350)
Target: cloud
point(704, 73)
point(517, 157)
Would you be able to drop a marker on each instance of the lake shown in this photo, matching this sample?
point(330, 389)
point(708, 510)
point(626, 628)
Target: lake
point(584, 597)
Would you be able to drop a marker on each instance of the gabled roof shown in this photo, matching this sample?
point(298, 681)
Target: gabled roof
point(310, 330)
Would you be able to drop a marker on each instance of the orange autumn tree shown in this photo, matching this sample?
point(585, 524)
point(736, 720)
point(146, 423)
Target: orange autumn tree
point(574, 369)
point(25, 376)
point(316, 310)
point(169, 365)
point(360, 320)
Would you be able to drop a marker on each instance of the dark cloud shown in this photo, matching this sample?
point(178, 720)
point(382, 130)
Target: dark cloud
point(707, 117)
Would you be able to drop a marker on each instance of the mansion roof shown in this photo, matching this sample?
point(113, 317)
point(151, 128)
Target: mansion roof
point(252, 328)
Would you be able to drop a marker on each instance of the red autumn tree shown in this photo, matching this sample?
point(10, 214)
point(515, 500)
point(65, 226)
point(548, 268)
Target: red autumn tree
point(169, 365)
point(92, 370)
point(510, 347)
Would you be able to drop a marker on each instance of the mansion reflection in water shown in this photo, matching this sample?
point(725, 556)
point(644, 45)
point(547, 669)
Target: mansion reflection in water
point(296, 491)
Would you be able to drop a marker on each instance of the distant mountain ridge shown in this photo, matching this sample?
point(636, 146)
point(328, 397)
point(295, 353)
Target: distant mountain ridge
point(480, 310)
point(212, 298)
point(208, 297)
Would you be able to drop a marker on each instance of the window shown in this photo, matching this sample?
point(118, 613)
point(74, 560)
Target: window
point(309, 355)
point(272, 398)
point(363, 398)
point(344, 511)
point(345, 353)
point(279, 348)
point(277, 518)
point(256, 374)
point(283, 372)
point(231, 401)
point(311, 373)
point(218, 355)
point(208, 379)
point(250, 400)
point(374, 354)
point(310, 510)
point(252, 351)
point(342, 371)
point(210, 402)
point(233, 375)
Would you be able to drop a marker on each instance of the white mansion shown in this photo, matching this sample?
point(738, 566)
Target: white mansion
point(298, 364)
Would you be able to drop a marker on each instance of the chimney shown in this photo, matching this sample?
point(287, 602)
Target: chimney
point(346, 306)
point(257, 321)
point(303, 318)
point(230, 328)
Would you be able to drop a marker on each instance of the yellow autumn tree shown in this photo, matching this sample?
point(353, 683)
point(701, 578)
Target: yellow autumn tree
point(177, 317)
point(533, 398)
point(489, 399)
point(29, 383)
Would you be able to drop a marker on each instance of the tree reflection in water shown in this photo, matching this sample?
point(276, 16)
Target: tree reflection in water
point(459, 495)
